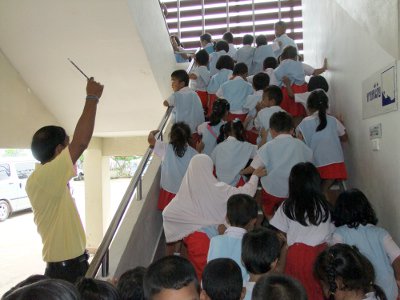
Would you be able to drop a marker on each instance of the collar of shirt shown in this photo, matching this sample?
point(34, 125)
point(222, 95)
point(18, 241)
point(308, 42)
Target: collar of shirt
point(231, 138)
point(222, 51)
point(283, 135)
point(209, 45)
point(235, 232)
point(258, 93)
point(185, 89)
point(237, 78)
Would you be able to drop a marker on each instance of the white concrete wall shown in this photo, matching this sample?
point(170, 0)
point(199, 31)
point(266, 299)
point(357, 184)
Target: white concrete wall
point(358, 40)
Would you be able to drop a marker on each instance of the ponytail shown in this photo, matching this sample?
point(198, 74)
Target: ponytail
point(379, 293)
point(219, 109)
point(234, 127)
point(180, 136)
point(318, 101)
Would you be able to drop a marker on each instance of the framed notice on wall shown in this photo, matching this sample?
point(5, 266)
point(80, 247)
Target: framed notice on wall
point(379, 92)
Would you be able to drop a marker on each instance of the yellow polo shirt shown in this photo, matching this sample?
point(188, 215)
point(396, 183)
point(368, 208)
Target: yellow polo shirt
point(55, 213)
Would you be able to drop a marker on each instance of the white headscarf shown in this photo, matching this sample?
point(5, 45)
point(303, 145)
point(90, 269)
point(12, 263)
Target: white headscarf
point(201, 200)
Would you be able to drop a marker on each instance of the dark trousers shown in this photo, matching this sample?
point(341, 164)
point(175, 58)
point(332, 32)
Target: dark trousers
point(70, 270)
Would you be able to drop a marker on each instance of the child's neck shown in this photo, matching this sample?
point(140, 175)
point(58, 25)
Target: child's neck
point(256, 277)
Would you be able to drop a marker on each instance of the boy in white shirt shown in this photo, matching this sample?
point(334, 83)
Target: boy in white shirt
point(246, 53)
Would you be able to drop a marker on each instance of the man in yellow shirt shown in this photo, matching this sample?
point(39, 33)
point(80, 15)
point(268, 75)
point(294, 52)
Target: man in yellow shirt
point(54, 209)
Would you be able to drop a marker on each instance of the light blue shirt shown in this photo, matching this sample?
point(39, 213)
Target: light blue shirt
point(235, 91)
point(218, 79)
point(245, 55)
point(209, 48)
point(209, 135)
point(263, 117)
point(292, 69)
point(213, 61)
point(260, 54)
point(286, 41)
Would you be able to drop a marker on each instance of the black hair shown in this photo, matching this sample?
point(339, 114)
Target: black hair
point(260, 81)
point(45, 142)
point(225, 62)
point(260, 248)
point(181, 75)
point(318, 100)
point(318, 82)
point(169, 272)
point(48, 289)
point(130, 284)
point(306, 203)
point(270, 62)
point(274, 92)
point(281, 23)
point(353, 209)
point(248, 39)
point(261, 40)
point(228, 37)
point(289, 52)
point(281, 122)
point(232, 127)
point(222, 279)
point(278, 287)
point(240, 69)
point(241, 209)
point(95, 289)
point(219, 109)
point(179, 138)
point(222, 45)
point(206, 37)
point(202, 57)
point(31, 279)
point(347, 263)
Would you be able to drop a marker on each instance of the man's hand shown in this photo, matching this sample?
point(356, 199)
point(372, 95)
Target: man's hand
point(94, 88)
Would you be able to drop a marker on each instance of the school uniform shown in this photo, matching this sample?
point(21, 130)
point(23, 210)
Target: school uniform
point(235, 91)
point(304, 245)
point(179, 58)
point(213, 61)
point(230, 157)
point(302, 98)
point(187, 108)
point(209, 135)
point(201, 83)
point(173, 168)
point(260, 54)
point(263, 117)
point(216, 80)
point(278, 157)
point(245, 55)
point(209, 48)
point(328, 153)
point(269, 72)
point(232, 50)
point(229, 245)
point(286, 41)
point(250, 108)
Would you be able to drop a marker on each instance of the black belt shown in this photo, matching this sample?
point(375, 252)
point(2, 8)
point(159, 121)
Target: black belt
point(69, 262)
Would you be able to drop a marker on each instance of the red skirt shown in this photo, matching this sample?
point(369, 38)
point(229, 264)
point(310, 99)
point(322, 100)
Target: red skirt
point(211, 100)
point(270, 203)
point(251, 136)
point(241, 117)
point(197, 245)
point(333, 171)
point(164, 199)
point(299, 264)
point(288, 104)
point(241, 182)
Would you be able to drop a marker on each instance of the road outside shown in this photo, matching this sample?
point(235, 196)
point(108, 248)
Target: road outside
point(21, 246)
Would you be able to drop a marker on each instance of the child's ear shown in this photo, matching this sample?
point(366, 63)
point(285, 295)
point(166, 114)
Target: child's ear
point(243, 294)
point(273, 264)
point(204, 296)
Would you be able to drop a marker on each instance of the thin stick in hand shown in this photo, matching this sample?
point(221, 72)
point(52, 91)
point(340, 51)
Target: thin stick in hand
point(78, 69)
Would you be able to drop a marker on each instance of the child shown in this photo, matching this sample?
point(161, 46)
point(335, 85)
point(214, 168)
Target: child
point(305, 219)
point(278, 156)
point(130, 284)
point(323, 134)
point(315, 82)
point(236, 91)
point(175, 157)
point(346, 274)
point(206, 43)
point(209, 131)
point(260, 82)
point(90, 288)
point(221, 48)
point(228, 37)
point(186, 103)
point(232, 153)
point(178, 47)
point(201, 77)
point(269, 65)
point(278, 287)
point(171, 277)
point(356, 221)
point(281, 39)
point(222, 280)
point(224, 66)
point(241, 216)
point(260, 54)
point(261, 249)
point(246, 53)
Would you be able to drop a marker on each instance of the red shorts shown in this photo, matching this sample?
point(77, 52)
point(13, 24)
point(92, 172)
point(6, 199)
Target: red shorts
point(164, 198)
point(241, 182)
point(197, 244)
point(241, 117)
point(204, 98)
point(333, 171)
point(288, 104)
point(270, 203)
point(299, 264)
point(211, 100)
point(251, 136)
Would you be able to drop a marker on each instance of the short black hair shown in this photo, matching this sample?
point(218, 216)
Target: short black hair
point(31, 279)
point(228, 36)
point(130, 284)
point(281, 122)
point(241, 209)
point(240, 69)
point(353, 209)
point(169, 272)
point(318, 82)
point(222, 279)
point(206, 37)
point(222, 45)
point(260, 248)
point(270, 62)
point(278, 287)
point(261, 40)
point(274, 92)
point(289, 52)
point(248, 39)
point(225, 62)
point(202, 57)
point(90, 288)
point(181, 75)
point(45, 142)
point(260, 81)
point(281, 23)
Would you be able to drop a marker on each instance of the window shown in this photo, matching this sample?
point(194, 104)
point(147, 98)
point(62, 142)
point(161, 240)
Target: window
point(4, 171)
point(24, 169)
